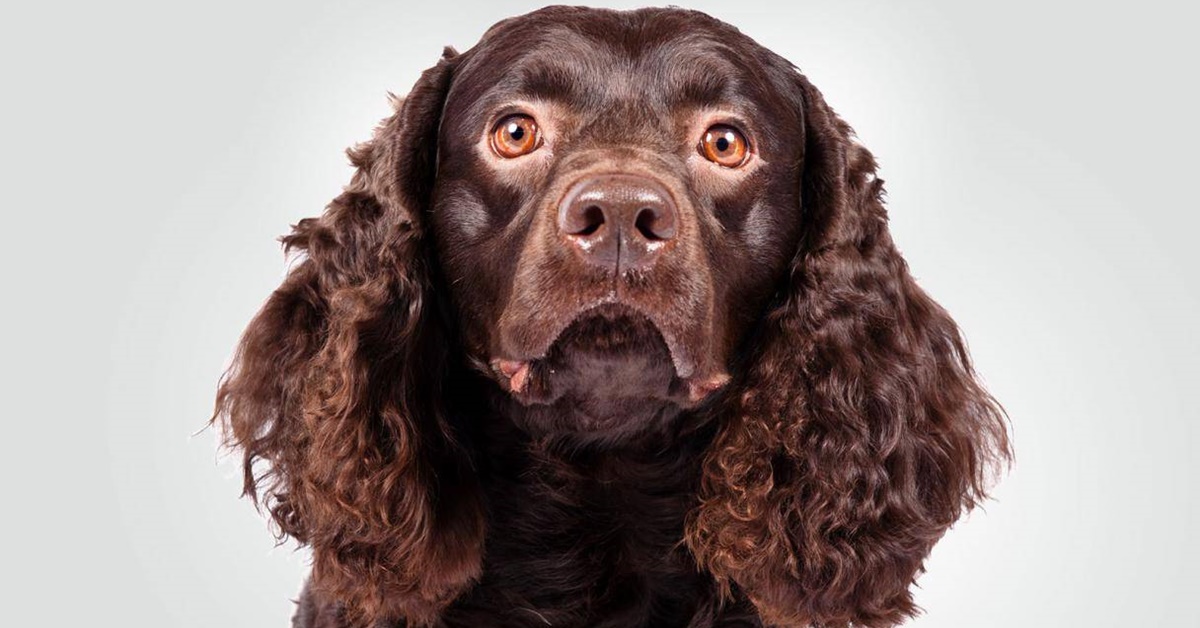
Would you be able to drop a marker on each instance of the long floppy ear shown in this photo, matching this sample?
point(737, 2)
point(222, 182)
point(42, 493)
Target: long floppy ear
point(860, 433)
point(334, 394)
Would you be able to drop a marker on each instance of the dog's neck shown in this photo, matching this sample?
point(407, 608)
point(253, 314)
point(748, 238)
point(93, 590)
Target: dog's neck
point(650, 431)
point(590, 477)
point(573, 519)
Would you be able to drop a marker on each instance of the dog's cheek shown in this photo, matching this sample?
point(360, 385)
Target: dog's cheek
point(748, 256)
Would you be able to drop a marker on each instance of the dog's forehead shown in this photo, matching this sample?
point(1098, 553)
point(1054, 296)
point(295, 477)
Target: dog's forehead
point(608, 63)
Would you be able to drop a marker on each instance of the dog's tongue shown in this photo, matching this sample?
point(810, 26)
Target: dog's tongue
point(516, 372)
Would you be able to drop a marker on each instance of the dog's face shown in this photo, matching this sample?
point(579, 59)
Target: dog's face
point(615, 204)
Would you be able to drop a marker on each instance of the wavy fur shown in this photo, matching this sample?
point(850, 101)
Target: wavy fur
point(860, 433)
point(333, 390)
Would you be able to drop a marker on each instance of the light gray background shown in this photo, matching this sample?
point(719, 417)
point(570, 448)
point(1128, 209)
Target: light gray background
point(1040, 160)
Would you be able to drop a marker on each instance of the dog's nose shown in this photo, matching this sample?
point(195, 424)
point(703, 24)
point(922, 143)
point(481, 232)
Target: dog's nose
point(618, 221)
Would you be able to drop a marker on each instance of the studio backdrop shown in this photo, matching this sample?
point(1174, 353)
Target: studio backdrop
point(1039, 161)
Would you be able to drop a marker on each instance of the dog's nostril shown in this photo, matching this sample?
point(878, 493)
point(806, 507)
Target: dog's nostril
point(591, 220)
point(645, 223)
point(581, 219)
point(652, 224)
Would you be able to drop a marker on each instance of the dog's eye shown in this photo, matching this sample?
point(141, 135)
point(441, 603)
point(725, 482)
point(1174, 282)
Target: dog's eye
point(516, 135)
point(724, 145)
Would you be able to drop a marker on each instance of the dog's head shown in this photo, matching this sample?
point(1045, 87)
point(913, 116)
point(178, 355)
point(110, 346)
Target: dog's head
point(615, 201)
point(620, 211)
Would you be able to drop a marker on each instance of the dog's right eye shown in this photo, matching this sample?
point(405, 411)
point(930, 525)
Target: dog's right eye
point(516, 135)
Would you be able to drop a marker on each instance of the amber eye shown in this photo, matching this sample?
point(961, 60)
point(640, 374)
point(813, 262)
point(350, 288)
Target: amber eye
point(516, 135)
point(725, 146)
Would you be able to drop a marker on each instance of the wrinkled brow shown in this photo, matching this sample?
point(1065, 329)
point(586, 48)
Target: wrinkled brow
point(583, 72)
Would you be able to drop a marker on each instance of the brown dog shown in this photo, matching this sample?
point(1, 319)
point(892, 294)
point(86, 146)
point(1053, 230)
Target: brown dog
point(608, 330)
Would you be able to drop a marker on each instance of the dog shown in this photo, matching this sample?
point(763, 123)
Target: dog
point(608, 329)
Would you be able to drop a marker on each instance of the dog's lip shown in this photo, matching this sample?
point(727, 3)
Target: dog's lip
point(695, 387)
point(681, 358)
point(516, 371)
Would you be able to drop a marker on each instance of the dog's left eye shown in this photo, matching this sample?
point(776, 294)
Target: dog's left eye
point(516, 135)
point(724, 146)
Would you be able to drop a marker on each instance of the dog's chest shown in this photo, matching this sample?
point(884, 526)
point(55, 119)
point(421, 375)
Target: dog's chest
point(595, 546)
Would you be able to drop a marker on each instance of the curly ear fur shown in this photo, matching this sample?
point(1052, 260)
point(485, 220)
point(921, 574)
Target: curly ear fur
point(860, 433)
point(333, 395)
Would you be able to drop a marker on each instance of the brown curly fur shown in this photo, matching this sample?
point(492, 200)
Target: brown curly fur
point(861, 433)
point(808, 492)
point(332, 387)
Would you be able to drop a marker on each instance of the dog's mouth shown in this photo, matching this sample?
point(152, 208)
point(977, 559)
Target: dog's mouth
point(610, 349)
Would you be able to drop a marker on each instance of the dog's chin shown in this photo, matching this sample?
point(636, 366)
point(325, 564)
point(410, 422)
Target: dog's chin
point(609, 376)
point(608, 352)
point(610, 373)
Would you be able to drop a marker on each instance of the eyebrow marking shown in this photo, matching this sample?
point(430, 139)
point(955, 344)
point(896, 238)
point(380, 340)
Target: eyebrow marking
point(574, 68)
point(549, 81)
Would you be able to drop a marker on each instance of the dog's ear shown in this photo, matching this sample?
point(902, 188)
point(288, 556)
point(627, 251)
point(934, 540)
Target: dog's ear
point(860, 432)
point(334, 393)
